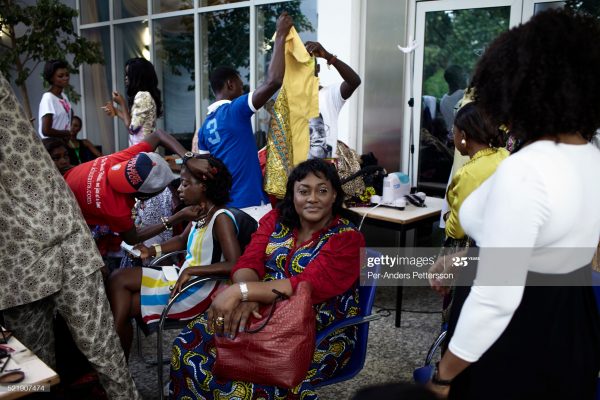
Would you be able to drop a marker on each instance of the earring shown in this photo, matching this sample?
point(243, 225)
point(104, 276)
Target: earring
point(463, 142)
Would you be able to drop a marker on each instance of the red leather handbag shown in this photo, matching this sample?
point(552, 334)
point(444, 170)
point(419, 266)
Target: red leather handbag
point(276, 350)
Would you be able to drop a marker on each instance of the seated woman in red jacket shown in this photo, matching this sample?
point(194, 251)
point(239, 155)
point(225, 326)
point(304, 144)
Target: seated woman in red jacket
point(303, 239)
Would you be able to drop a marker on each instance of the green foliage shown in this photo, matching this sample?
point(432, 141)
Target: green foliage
point(272, 11)
point(44, 31)
point(459, 37)
point(435, 85)
point(178, 47)
point(591, 7)
point(228, 38)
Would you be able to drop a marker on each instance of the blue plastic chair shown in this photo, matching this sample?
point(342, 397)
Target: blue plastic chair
point(423, 374)
point(357, 359)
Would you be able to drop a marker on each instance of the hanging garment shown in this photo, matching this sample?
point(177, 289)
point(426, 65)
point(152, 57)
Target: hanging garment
point(297, 102)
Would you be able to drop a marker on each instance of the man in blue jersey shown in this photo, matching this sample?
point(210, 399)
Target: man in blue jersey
point(227, 130)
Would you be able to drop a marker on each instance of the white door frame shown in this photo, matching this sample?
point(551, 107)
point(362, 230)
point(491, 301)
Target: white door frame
point(417, 11)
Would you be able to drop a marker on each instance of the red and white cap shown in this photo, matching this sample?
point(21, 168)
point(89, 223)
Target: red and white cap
point(144, 173)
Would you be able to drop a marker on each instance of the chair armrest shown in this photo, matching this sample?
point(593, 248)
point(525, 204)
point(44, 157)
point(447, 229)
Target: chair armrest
point(155, 262)
point(343, 324)
point(438, 342)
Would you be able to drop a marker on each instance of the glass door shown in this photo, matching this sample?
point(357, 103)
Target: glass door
point(451, 35)
point(532, 7)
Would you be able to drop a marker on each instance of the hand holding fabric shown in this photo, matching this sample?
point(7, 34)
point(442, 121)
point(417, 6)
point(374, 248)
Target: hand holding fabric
point(317, 50)
point(284, 24)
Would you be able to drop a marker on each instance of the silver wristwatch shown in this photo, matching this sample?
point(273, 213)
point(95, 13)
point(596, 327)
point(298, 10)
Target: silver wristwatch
point(187, 156)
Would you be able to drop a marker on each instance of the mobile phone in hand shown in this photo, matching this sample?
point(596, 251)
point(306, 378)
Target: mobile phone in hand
point(129, 248)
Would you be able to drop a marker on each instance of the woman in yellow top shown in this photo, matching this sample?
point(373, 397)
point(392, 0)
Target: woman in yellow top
point(476, 137)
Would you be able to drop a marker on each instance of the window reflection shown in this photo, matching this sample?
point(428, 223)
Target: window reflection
point(591, 7)
point(131, 40)
point(216, 2)
point(94, 11)
point(224, 41)
point(129, 8)
point(97, 84)
point(160, 6)
point(454, 41)
point(539, 7)
point(174, 64)
point(304, 14)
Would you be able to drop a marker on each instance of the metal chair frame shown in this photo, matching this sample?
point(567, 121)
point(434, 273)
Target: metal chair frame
point(156, 264)
point(163, 319)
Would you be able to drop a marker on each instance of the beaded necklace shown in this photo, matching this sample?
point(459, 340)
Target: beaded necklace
point(200, 222)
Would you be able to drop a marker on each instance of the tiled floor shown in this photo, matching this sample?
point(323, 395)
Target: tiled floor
point(392, 355)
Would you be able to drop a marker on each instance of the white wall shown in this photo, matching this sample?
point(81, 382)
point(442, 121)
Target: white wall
point(383, 80)
point(339, 33)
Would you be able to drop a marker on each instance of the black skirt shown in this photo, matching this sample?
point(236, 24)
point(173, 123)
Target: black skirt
point(549, 350)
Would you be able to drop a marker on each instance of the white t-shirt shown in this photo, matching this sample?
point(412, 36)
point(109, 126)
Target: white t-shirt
point(447, 104)
point(542, 203)
point(60, 108)
point(324, 131)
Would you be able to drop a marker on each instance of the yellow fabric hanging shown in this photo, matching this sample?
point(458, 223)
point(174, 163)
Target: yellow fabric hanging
point(279, 147)
point(288, 138)
point(302, 89)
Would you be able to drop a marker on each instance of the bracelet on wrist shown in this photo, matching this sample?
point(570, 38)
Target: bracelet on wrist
point(244, 290)
point(331, 60)
point(436, 380)
point(157, 249)
point(168, 226)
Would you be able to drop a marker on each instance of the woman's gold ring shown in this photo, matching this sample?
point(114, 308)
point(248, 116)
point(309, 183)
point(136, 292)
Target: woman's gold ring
point(219, 321)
